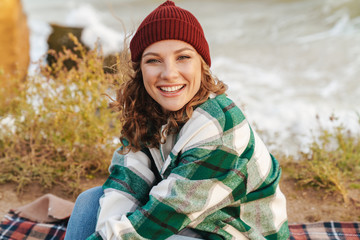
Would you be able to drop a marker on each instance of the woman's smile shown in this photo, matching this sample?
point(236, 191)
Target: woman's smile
point(172, 89)
point(171, 71)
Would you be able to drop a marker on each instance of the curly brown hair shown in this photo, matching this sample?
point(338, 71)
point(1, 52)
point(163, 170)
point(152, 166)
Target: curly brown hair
point(143, 117)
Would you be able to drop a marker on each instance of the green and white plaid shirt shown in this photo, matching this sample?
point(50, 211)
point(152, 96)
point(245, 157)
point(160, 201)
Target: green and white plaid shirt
point(217, 178)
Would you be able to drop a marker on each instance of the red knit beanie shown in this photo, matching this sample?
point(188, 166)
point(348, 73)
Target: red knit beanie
point(169, 22)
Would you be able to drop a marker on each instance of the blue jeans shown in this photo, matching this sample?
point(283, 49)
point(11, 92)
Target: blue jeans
point(83, 218)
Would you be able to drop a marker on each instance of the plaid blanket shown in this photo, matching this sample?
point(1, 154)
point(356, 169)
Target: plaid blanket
point(325, 231)
point(14, 227)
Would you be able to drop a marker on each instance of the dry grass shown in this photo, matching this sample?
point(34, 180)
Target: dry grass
point(332, 164)
point(56, 125)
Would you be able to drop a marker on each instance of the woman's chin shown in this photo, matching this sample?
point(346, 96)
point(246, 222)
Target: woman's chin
point(171, 107)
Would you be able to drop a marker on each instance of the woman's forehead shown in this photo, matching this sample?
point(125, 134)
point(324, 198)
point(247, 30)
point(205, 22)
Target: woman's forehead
point(168, 45)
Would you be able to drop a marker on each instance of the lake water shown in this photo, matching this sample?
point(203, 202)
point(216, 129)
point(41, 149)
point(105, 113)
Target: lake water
point(285, 61)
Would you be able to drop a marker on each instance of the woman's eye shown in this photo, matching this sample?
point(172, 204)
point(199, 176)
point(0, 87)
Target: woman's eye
point(183, 57)
point(152, 60)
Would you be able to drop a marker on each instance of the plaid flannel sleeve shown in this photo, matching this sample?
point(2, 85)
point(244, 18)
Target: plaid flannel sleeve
point(126, 189)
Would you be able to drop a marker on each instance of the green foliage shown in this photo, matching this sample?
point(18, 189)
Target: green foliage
point(333, 162)
point(61, 128)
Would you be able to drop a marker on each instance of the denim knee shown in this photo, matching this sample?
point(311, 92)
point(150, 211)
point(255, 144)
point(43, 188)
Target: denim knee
point(88, 201)
point(90, 195)
point(82, 221)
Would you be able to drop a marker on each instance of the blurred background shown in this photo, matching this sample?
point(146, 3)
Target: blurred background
point(290, 64)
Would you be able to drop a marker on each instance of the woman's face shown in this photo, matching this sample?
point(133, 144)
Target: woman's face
point(171, 71)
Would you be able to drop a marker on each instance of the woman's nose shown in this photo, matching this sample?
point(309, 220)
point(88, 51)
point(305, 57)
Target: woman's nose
point(169, 71)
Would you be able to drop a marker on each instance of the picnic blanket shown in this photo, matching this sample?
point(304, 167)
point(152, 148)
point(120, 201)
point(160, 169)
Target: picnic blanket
point(325, 231)
point(14, 227)
point(46, 218)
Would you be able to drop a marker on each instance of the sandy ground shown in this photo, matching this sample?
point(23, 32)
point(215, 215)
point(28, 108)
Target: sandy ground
point(312, 205)
point(303, 205)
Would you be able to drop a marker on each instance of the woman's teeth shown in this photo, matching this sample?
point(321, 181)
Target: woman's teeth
point(171, 89)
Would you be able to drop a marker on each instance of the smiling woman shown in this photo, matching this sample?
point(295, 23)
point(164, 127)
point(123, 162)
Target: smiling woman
point(171, 75)
point(190, 165)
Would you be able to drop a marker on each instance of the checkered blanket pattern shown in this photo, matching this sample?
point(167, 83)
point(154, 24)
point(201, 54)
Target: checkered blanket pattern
point(325, 231)
point(13, 227)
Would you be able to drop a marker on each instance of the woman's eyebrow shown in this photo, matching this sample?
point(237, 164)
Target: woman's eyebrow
point(184, 49)
point(177, 51)
point(151, 53)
